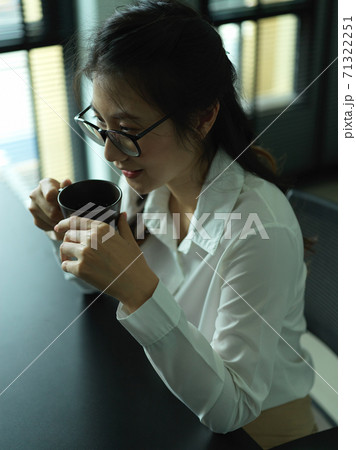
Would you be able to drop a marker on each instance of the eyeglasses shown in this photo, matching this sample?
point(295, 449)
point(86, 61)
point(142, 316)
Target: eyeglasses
point(126, 143)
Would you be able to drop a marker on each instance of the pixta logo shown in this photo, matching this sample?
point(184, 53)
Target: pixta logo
point(99, 214)
point(251, 224)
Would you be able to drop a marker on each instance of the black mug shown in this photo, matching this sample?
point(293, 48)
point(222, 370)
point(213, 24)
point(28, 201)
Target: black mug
point(93, 199)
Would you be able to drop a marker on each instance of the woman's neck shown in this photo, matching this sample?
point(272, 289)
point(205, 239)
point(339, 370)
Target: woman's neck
point(183, 200)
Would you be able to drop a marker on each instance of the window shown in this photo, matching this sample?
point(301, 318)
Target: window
point(35, 140)
point(280, 48)
point(219, 5)
point(263, 53)
point(18, 147)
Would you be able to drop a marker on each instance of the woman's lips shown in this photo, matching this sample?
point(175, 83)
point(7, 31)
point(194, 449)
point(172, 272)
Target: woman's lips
point(131, 174)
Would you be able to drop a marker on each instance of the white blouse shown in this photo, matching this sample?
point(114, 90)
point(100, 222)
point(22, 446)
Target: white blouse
point(223, 326)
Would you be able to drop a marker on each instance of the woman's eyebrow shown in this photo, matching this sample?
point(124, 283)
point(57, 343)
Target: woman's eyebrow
point(120, 115)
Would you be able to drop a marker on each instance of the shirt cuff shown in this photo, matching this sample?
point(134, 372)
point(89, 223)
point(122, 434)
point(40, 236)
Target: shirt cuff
point(154, 319)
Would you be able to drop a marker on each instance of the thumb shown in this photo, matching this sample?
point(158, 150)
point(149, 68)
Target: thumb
point(124, 228)
point(65, 182)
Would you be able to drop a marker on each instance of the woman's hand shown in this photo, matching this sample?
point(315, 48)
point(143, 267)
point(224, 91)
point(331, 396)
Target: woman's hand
point(44, 206)
point(108, 259)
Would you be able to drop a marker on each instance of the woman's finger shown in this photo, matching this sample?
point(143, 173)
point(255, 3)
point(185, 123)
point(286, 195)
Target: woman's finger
point(69, 250)
point(41, 219)
point(74, 223)
point(70, 267)
point(65, 183)
point(51, 210)
point(78, 236)
point(40, 222)
point(81, 224)
point(124, 229)
point(50, 188)
point(48, 211)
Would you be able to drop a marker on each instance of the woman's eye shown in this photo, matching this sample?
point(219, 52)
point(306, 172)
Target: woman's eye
point(127, 129)
point(99, 121)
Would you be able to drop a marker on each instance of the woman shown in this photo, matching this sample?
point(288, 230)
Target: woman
point(215, 297)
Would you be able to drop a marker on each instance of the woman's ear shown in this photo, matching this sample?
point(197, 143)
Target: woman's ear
point(206, 119)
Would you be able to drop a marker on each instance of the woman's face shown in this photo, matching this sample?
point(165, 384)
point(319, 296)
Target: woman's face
point(164, 160)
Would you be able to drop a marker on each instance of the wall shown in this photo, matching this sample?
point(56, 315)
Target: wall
point(91, 13)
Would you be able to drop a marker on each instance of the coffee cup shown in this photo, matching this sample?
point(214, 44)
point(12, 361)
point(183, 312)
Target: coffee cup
point(93, 199)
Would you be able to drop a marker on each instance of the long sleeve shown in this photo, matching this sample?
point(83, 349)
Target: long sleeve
point(226, 381)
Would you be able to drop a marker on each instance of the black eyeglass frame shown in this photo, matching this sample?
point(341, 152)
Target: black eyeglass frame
point(106, 133)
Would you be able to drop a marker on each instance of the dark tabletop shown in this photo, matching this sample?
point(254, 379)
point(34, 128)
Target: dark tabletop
point(77, 382)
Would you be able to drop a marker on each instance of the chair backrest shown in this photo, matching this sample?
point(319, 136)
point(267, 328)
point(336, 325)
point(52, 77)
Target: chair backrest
point(318, 220)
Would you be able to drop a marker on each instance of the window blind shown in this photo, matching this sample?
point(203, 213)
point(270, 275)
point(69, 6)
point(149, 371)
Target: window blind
point(280, 49)
point(35, 136)
point(51, 112)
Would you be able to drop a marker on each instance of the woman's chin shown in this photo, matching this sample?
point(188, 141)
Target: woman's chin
point(138, 187)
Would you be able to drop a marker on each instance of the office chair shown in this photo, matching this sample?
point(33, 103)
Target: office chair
point(318, 222)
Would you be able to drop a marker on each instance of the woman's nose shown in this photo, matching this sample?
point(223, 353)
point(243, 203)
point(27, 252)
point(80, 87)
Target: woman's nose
point(112, 153)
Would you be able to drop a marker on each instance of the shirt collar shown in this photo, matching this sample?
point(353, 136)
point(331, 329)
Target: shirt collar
point(219, 194)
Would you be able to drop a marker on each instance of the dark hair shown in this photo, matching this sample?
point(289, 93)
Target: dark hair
point(177, 61)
